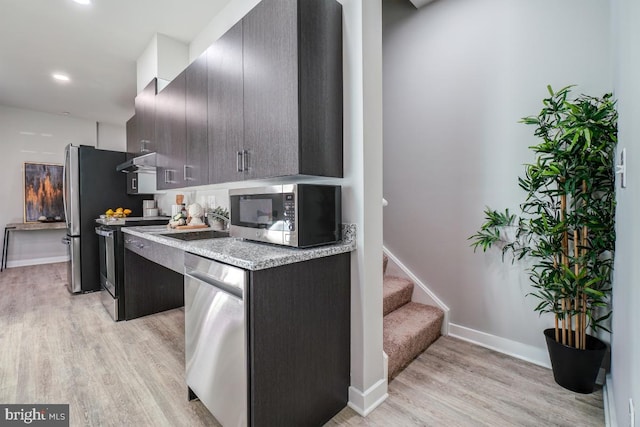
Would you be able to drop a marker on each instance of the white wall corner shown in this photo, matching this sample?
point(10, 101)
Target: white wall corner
point(363, 402)
point(526, 352)
point(173, 57)
point(419, 3)
point(385, 358)
point(147, 64)
point(163, 58)
point(609, 403)
point(421, 292)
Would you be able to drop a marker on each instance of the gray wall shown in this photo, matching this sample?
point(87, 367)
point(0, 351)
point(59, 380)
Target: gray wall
point(32, 136)
point(625, 340)
point(458, 75)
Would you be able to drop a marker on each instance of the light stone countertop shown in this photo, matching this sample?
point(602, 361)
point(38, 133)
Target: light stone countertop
point(244, 253)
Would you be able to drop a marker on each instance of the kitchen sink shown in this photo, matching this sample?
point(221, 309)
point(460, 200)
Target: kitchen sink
point(197, 235)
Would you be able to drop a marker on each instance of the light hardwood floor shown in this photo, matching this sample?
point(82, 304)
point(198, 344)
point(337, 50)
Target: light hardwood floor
point(59, 348)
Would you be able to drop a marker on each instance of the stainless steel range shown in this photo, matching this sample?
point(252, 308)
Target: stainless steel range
point(111, 251)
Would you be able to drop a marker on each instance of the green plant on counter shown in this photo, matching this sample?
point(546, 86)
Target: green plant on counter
point(220, 211)
point(218, 215)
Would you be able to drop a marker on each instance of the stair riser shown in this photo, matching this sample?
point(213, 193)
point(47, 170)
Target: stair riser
point(396, 300)
point(408, 332)
point(397, 292)
point(401, 357)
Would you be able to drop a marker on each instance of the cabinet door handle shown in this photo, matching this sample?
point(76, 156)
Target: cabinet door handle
point(143, 146)
point(167, 176)
point(134, 183)
point(187, 177)
point(245, 160)
point(240, 161)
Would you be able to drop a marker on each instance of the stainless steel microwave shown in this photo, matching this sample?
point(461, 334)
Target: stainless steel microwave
point(299, 215)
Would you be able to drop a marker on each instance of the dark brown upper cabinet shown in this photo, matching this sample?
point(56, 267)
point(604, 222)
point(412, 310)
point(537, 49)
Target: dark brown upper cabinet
point(196, 167)
point(226, 107)
point(132, 147)
point(145, 141)
point(181, 129)
point(171, 134)
point(265, 100)
point(292, 74)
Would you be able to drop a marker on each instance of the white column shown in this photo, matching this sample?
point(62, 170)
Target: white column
point(362, 41)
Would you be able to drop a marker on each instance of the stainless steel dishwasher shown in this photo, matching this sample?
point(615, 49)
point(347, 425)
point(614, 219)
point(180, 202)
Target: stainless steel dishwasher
point(215, 338)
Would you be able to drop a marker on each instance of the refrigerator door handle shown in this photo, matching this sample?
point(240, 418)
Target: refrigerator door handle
point(71, 189)
point(64, 187)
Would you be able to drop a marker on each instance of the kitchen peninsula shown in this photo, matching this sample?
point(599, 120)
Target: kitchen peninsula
point(285, 359)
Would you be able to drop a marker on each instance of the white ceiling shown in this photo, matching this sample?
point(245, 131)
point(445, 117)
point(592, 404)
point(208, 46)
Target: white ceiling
point(96, 45)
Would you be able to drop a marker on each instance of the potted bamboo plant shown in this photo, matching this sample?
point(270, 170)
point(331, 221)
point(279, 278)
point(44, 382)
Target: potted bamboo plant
point(566, 228)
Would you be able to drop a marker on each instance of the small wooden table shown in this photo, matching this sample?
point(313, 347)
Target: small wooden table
point(25, 226)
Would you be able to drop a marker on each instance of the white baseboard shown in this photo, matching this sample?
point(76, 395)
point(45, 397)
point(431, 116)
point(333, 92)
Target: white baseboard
point(37, 261)
point(609, 408)
point(421, 292)
point(365, 402)
point(536, 355)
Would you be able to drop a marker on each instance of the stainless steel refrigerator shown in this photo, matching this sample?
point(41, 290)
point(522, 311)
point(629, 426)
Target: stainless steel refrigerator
point(91, 186)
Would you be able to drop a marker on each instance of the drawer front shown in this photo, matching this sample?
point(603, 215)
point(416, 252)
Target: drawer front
point(172, 258)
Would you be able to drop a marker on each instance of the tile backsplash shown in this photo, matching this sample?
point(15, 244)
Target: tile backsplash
point(207, 198)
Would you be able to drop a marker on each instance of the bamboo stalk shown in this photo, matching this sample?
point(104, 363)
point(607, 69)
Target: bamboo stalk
point(576, 264)
point(584, 320)
point(555, 306)
point(583, 300)
point(578, 322)
point(564, 259)
point(569, 321)
point(565, 235)
point(564, 323)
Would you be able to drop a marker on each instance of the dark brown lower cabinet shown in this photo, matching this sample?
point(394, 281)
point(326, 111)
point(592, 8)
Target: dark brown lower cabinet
point(150, 287)
point(299, 342)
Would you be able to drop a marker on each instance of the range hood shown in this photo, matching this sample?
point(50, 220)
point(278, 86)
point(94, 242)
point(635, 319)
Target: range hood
point(141, 164)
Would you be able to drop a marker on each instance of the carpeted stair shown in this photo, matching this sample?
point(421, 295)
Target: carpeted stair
point(409, 327)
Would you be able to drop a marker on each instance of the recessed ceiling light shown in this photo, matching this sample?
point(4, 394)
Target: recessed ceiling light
point(61, 77)
point(83, 1)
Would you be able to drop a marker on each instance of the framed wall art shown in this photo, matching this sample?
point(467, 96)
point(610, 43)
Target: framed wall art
point(43, 184)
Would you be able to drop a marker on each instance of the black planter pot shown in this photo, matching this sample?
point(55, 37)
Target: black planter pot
point(574, 369)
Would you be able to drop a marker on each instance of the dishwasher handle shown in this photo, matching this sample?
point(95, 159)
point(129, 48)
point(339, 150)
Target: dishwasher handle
point(224, 287)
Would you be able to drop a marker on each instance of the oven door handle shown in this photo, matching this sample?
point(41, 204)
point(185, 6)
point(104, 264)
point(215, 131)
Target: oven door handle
point(104, 233)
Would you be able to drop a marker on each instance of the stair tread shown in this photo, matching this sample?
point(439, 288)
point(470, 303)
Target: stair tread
point(408, 331)
point(396, 292)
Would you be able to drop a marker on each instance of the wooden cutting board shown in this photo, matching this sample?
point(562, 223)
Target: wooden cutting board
point(191, 227)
